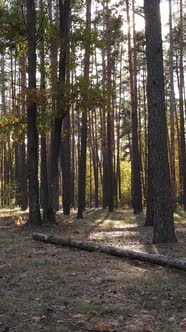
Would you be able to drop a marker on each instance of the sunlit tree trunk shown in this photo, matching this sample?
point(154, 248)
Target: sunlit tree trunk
point(158, 166)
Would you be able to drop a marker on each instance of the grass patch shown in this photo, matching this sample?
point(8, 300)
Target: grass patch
point(40, 263)
point(104, 310)
point(169, 326)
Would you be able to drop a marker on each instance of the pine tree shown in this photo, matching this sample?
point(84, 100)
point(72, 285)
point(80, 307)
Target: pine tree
point(32, 132)
point(160, 202)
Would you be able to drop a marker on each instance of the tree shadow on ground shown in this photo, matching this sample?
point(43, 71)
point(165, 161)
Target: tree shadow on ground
point(51, 288)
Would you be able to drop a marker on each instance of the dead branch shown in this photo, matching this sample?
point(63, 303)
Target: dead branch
point(179, 264)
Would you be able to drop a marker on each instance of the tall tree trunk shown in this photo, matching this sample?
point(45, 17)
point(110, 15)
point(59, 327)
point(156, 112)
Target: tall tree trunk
point(64, 8)
point(136, 165)
point(158, 167)
point(181, 106)
point(103, 124)
point(82, 162)
point(54, 23)
point(32, 133)
point(44, 170)
point(178, 133)
point(109, 160)
point(22, 147)
point(118, 130)
point(172, 110)
point(3, 87)
point(145, 134)
point(66, 156)
point(66, 165)
point(95, 157)
point(3, 98)
point(72, 160)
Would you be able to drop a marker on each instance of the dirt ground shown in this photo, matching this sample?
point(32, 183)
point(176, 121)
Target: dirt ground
point(48, 288)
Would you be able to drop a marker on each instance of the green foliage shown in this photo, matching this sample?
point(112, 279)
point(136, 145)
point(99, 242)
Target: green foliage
point(126, 183)
point(78, 5)
point(83, 38)
point(13, 29)
point(52, 34)
point(14, 125)
point(9, 194)
point(43, 121)
point(88, 94)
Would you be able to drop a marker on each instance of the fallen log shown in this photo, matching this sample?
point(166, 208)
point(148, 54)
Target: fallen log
point(115, 251)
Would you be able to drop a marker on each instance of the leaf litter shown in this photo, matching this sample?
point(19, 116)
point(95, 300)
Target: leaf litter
point(49, 288)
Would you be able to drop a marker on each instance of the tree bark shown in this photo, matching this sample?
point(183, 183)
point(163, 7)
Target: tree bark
point(64, 7)
point(22, 147)
point(109, 160)
point(181, 107)
point(72, 159)
point(44, 170)
point(172, 110)
point(96, 161)
point(136, 164)
point(66, 165)
point(159, 201)
point(82, 162)
point(32, 133)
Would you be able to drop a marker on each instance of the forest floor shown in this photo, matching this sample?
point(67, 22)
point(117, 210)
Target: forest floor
point(51, 288)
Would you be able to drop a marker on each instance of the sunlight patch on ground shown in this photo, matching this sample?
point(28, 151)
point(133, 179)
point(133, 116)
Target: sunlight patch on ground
point(110, 223)
point(44, 285)
point(104, 235)
point(20, 221)
point(12, 212)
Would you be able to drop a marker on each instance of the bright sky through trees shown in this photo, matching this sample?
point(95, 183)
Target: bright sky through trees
point(164, 16)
